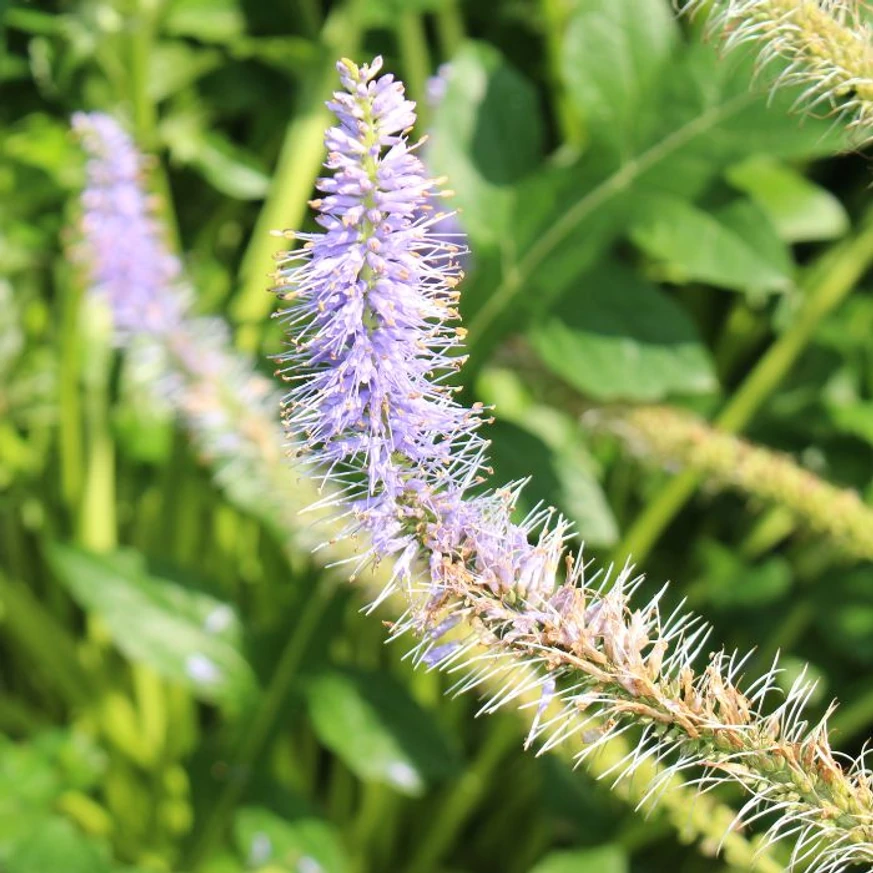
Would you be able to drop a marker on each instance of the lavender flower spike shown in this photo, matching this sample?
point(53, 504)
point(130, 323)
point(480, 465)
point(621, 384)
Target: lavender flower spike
point(372, 304)
point(129, 265)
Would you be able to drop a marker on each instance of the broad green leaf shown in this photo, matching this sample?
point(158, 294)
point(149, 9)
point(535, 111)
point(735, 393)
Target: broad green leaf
point(557, 478)
point(289, 54)
point(800, 210)
point(29, 784)
point(185, 635)
point(296, 842)
point(485, 135)
point(56, 845)
point(614, 55)
point(43, 142)
point(855, 418)
point(622, 338)
point(733, 247)
point(371, 723)
point(603, 859)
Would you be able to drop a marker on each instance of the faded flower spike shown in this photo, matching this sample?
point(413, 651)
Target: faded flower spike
point(122, 244)
point(372, 301)
point(184, 361)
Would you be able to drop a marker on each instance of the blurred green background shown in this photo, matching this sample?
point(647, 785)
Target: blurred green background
point(182, 685)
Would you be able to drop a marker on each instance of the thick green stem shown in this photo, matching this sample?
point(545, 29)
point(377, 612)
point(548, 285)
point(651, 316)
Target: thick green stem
point(70, 431)
point(827, 283)
point(97, 521)
point(145, 113)
point(298, 166)
point(450, 27)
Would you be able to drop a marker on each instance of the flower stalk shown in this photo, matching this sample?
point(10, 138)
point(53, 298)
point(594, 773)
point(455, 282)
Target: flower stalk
point(371, 302)
point(678, 439)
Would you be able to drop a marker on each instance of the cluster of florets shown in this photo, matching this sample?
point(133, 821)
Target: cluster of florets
point(185, 361)
point(373, 302)
point(122, 244)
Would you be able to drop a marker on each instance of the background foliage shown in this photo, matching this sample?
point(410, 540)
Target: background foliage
point(645, 225)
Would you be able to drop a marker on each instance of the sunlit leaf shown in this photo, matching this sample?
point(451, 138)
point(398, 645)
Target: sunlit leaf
point(734, 246)
point(622, 338)
point(185, 635)
point(378, 730)
point(800, 210)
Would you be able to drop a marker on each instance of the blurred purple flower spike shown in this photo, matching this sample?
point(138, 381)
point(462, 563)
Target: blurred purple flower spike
point(122, 246)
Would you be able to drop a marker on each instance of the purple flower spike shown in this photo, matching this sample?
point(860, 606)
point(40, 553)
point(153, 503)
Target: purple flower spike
point(372, 304)
point(122, 246)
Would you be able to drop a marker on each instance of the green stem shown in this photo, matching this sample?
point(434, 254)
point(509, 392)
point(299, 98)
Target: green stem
point(310, 14)
point(258, 729)
point(298, 166)
point(97, 519)
point(70, 432)
point(827, 283)
point(461, 800)
point(415, 56)
point(450, 27)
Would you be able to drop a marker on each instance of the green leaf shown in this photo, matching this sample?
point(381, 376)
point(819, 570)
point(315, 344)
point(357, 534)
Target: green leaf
point(288, 54)
point(613, 59)
point(42, 142)
point(55, 845)
point(295, 842)
point(800, 210)
point(603, 859)
point(187, 636)
point(732, 247)
point(370, 722)
point(485, 135)
point(622, 338)
point(29, 784)
point(229, 168)
point(174, 66)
